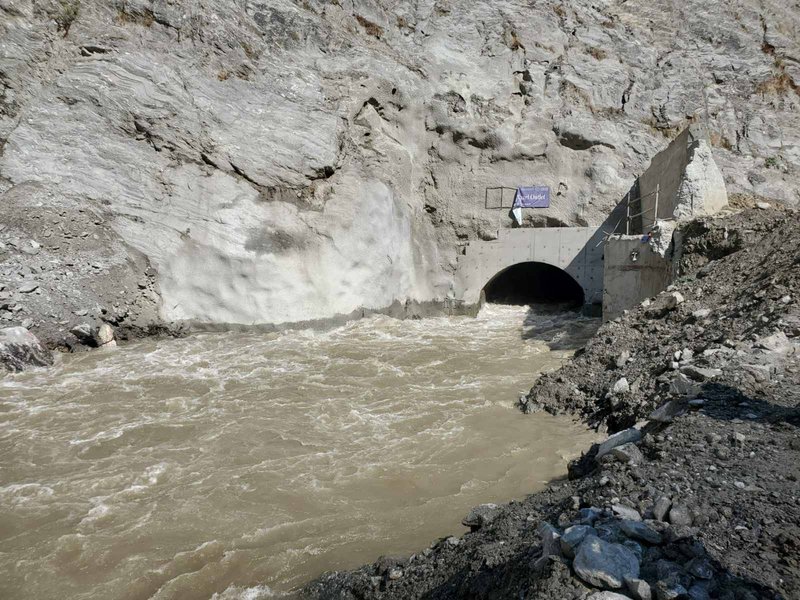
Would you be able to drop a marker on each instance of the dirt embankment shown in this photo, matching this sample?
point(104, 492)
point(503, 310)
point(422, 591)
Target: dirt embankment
point(697, 494)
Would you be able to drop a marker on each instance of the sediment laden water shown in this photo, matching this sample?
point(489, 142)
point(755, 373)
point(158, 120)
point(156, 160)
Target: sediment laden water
point(240, 466)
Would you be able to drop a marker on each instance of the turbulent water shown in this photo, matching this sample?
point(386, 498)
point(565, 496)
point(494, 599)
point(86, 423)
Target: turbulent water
point(240, 466)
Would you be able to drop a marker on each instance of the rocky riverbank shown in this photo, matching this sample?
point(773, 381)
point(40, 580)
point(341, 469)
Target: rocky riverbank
point(696, 493)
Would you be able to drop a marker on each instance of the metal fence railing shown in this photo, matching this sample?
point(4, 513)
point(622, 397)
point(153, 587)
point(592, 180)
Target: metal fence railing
point(629, 217)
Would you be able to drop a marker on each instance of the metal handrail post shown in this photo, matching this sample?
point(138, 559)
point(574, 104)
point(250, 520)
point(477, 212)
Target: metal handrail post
point(628, 214)
point(655, 212)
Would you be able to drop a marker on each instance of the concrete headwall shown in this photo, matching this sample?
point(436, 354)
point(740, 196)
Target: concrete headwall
point(633, 271)
point(688, 181)
point(576, 250)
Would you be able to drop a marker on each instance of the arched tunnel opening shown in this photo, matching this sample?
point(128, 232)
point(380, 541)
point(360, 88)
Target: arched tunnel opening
point(534, 283)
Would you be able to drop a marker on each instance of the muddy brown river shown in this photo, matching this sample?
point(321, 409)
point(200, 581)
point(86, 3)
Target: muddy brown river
point(242, 465)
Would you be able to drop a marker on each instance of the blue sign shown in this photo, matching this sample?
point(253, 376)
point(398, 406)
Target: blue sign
point(537, 196)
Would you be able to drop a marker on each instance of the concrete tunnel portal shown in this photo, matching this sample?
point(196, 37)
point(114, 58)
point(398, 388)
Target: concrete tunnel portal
point(533, 282)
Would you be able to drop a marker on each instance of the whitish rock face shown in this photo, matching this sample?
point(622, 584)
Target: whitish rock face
point(281, 161)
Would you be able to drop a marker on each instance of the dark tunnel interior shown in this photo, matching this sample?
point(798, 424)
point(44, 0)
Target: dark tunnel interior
point(534, 283)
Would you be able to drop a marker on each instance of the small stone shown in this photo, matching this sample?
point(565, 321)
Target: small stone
point(603, 564)
point(82, 312)
point(673, 300)
point(395, 573)
point(680, 515)
point(28, 288)
point(607, 596)
point(763, 206)
point(661, 508)
point(588, 516)
point(622, 359)
point(640, 531)
point(638, 588)
point(701, 313)
point(737, 439)
point(621, 386)
point(452, 541)
point(626, 512)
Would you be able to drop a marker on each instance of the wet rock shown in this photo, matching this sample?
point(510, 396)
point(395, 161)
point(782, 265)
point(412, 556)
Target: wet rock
point(572, 538)
point(618, 439)
point(603, 564)
point(640, 531)
point(20, 349)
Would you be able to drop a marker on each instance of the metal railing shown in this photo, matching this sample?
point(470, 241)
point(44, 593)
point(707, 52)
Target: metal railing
point(629, 217)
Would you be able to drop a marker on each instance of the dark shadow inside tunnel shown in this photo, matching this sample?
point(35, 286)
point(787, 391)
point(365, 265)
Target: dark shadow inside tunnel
point(534, 283)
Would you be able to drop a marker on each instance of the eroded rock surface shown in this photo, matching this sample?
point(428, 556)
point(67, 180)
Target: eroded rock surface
point(283, 161)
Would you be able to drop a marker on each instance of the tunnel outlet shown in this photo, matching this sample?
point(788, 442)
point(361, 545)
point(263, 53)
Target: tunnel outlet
point(534, 283)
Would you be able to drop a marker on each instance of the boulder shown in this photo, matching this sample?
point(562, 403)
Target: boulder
point(628, 453)
point(20, 349)
point(572, 538)
point(104, 335)
point(618, 439)
point(640, 531)
point(603, 564)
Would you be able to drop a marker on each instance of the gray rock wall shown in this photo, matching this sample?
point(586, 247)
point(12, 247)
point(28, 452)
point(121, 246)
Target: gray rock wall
point(279, 161)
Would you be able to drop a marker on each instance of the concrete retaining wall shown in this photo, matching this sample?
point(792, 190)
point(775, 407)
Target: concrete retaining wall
point(629, 281)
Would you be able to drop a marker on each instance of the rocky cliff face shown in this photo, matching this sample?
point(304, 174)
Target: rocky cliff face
point(276, 161)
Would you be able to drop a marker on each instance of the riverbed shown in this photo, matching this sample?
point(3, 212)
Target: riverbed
point(233, 465)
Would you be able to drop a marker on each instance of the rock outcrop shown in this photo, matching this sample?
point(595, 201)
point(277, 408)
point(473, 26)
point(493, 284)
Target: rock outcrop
point(282, 161)
point(19, 349)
